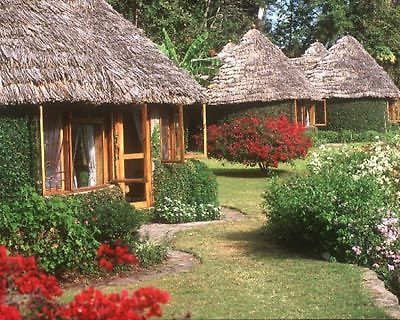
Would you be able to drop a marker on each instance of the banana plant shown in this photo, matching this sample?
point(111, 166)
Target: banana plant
point(194, 61)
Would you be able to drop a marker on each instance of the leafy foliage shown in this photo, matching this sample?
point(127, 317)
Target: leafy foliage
point(184, 20)
point(376, 24)
point(18, 143)
point(195, 60)
point(185, 192)
point(251, 141)
point(64, 232)
point(347, 205)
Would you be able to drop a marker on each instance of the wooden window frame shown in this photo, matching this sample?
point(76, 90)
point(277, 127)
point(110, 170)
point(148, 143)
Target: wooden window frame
point(301, 110)
point(393, 110)
point(203, 154)
point(67, 121)
point(176, 131)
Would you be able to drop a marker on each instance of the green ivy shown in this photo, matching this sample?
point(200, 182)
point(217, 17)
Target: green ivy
point(356, 115)
point(18, 152)
point(217, 114)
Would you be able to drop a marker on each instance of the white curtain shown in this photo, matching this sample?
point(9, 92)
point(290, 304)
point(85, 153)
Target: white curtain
point(91, 153)
point(84, 143)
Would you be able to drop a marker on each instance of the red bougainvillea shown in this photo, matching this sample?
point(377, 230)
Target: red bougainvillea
point(111, 255)
point(252, 141)
point(27, 293)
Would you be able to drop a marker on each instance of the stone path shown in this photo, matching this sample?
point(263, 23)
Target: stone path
point(161, 232)
point(178, 261)
point(381, 296)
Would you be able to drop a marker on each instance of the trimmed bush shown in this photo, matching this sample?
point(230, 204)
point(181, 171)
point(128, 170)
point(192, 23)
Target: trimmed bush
point(185, 192)
point(110, 218)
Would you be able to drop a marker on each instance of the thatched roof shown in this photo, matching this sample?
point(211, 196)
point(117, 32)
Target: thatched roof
point(348, 71)
point(311, 57)
point(82, 50)
point(226, 50)
point(257, 71)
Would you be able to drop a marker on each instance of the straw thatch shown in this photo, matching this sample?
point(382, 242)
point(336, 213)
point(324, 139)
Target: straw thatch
point(348, 71)
point(226, 50)
point(83, 50)
point(311, 57)
point(257, 71)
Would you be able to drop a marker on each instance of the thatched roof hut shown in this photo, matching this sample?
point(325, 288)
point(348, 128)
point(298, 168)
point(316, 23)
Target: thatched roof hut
point(311, 57)
point(348, 71)
point(257, 71)
point(83, 51)
point(226, 50)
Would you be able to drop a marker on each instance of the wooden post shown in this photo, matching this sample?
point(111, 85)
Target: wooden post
point(147, 155)
point(295, 110)
point(204, 130)
point(325, 116)
point(42, 147)
point(182, 134)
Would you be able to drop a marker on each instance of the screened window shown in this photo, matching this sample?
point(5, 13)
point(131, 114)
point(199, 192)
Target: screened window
point(311, 115)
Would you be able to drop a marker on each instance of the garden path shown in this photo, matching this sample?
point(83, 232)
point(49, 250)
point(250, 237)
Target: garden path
point(177, 261)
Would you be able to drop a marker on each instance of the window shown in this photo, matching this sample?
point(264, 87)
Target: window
point(75, 150)
point(311, 114)
point(172, 135)
point(394, 111)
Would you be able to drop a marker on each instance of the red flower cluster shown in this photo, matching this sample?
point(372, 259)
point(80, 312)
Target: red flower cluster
point(26, 293)
point(92, 304)
point(251, 141)
point(109, 256)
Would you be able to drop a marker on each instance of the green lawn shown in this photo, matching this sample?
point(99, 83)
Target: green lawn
point(243, 275)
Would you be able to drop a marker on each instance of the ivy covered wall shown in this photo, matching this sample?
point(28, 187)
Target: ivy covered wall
point(217, 114)
point(19, 153)
point(357, 115)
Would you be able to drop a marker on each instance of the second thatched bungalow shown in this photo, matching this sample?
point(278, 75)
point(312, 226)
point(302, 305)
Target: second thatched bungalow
point(360, 94)
point(81, 90)
point(256, 77)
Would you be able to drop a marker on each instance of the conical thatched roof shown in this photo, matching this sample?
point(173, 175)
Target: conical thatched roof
point(311, 57)
point(82, 50)
point(226, 50)
point(348, 71)
point(257, 71)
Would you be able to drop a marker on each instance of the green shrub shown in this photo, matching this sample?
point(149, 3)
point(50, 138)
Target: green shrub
point(64, 232)
point(327, 212)
point(18, 154)
point(185, 192)
point(49, 230)
point(108, 215)
point(150, 252)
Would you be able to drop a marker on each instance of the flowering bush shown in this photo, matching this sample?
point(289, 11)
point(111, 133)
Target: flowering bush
point(347, 205)
point(251, 141)
point(27, 293)
point(176, 211)
point(109, 256)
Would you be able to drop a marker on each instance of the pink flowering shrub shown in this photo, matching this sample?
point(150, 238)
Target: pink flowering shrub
point(27, 293)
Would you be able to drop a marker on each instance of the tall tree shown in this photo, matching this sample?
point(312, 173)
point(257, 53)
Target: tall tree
point(376, 24)
point(184, 20)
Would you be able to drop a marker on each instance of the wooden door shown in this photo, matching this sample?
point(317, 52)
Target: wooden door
point(133, 167)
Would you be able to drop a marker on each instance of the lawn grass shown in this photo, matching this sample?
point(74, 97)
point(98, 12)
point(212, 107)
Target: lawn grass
point(244, 275)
